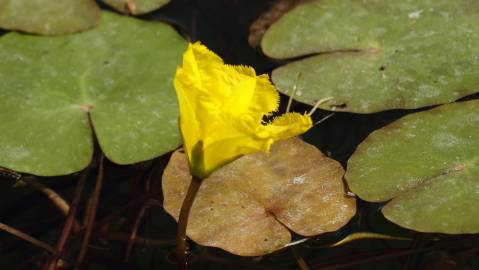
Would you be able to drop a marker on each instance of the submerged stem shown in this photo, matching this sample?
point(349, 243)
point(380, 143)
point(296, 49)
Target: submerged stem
point(70, 221)
point(183, 221)
point(90, 214)
point(35, 242)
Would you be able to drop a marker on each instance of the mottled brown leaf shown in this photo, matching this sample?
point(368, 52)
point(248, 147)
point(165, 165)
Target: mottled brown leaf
point(245, 206)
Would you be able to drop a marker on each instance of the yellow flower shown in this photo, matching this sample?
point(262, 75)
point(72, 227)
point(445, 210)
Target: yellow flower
point(222, 110)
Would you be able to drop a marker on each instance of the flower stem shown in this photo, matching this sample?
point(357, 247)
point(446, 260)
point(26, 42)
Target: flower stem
point(181, 253)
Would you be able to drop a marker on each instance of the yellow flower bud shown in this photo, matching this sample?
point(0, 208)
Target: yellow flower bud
point(222, 108)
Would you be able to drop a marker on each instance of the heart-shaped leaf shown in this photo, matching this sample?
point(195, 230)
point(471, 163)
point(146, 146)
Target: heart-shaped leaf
point(376, 55)
point(49, 17)
point(427, 165)
point(136, 7)
point(119, 73)
point(247, 206)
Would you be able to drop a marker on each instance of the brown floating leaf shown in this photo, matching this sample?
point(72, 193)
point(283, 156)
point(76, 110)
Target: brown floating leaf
point(244, 207)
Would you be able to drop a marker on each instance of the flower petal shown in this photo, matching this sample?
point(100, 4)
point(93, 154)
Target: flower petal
point(219, 153)
point(196, 103)
point(189, 124)
point(286, 126)
point(266, 98)
point(242, 83)
point(250, 94)
point(234, 137)
point(222, 108)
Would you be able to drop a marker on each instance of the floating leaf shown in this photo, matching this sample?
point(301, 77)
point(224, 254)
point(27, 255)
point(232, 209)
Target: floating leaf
point(245, 206)
point(136, 7)
point(427, 165)
point(48, 17)
point(268, 17)
point(375, 55)
point(120, 73)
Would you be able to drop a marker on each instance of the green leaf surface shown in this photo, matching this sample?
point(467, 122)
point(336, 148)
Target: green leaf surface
point(49, 17)
point(120, 73)
point(376, 55)
point(136, 7)
point(427, 164)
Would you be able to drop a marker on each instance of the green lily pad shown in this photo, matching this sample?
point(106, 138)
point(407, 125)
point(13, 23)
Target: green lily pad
point(119, 73)
point(247, 206)
point(49, 17)
point(427, 164)
point(136, 7)
point(376, 55)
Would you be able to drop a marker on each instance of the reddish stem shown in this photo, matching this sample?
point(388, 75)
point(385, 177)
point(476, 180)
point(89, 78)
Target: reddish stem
point(134, 230)
point(91, 213)
point(70, 218)
point(181, 253)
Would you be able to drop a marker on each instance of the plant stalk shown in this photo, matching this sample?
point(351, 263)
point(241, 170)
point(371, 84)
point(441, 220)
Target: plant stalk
point(70, 221)
point(35, 242)
point(91, 212)
point(181, 253)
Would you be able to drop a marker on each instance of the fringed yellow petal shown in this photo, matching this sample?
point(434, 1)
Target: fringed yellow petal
point(244, 70)
point(236, 136)
point(206, 73)
point(242, 82)
point(288, 125)
point(198, 59)
point(266, 98)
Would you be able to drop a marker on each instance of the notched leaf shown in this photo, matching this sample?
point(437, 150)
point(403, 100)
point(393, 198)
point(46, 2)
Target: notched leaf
point(50, 86)
point(426, 164)
point(399, 60)
point(247, 206)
